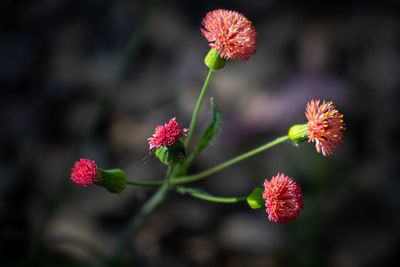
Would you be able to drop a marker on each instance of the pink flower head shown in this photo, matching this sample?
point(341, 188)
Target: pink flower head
point(84, 172)
point(283, 198)
point(166, 135)
point(230, 33)
point(325, 126)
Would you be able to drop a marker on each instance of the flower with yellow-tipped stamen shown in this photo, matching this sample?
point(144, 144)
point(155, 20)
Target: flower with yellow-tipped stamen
point(283, 198)
point(230, 34)
point(325, 126)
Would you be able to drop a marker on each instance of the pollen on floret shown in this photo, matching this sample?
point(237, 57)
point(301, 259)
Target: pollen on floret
point(325, 126)
point(166, 135)
point(230, 33)
point(84, 172)
point(283, 198)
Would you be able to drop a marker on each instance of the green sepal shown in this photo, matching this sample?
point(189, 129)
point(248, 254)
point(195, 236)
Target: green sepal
point(214, 60)
point(298, 133)
point(172, 155)
point(114, 180)
point(255, 199)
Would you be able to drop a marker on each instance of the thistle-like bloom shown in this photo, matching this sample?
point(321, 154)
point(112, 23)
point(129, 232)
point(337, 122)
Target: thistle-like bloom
point(166, 135)
point(230, 33)
point(283, 198)
point(325, 126)
point(84, 172)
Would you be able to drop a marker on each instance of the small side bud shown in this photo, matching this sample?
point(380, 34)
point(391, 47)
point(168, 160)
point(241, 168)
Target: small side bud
point(86, 172)
point(214, 60)
point(172, 155)
point(298, 133)
point(255, 199)
point(114, 180)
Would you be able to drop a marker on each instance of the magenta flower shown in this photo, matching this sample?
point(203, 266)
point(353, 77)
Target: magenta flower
point(84, 172)
point(230, 33)
point(283, 198)
point(325, 126)
point(166, 135)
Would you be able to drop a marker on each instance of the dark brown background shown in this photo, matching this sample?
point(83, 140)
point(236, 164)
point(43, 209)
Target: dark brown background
point(63, 97)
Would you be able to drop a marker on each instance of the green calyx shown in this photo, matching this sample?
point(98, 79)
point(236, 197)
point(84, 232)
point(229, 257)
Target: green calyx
point(172, 155)
point(255, 199)
point(214, 60)
point(114, 180)
point(298, 133)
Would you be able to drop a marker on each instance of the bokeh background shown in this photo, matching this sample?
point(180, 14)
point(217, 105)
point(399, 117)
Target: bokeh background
point(93, 78)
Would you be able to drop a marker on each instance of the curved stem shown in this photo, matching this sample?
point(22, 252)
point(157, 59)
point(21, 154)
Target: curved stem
point(198, 105)
point(194, 177)
point(145, 184)
point(205, 196)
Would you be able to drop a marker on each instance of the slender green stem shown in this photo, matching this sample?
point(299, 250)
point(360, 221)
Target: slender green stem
point(145, 184)
point(205, 196)
point(197, 109)
point(137, 220)
point(167, 180)
point(194, 177)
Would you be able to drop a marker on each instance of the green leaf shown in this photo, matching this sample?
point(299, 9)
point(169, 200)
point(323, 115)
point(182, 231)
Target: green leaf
point(211, 131)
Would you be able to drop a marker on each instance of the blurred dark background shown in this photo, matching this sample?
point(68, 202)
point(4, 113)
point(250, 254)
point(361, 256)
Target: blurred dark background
point(93, 78)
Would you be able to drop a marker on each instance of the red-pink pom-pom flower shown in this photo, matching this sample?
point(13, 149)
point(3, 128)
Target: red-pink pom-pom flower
point(84, 172)
point(325, 126)
point(166, 135)
point(230, 33)
point(283, 198)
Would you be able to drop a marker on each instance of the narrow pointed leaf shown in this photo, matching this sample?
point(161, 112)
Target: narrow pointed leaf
point(211, 131)
point(209, 134)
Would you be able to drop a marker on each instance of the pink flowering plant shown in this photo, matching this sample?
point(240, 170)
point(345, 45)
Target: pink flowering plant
point(231, 36)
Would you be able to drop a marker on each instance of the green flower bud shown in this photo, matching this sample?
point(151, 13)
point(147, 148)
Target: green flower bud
point(172, 155)
point(298, 133)
point(114, 180)
point(255, 199)
point(214, 60)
